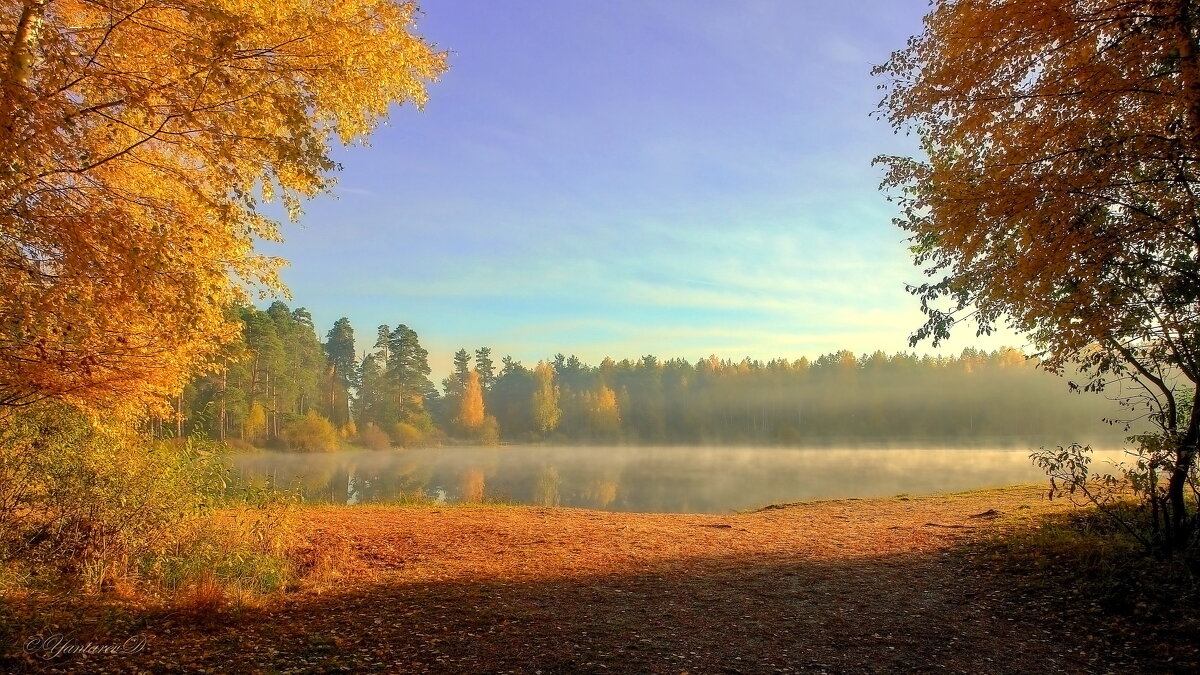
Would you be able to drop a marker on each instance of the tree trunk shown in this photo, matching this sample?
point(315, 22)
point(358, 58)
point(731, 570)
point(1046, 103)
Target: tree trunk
point(268, 400)
point(221, 422)
point(333, 412)
point(253, 382)
point(1181, 524)
point(14, 91)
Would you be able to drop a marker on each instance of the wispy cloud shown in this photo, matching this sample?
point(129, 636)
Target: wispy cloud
point(575, 186)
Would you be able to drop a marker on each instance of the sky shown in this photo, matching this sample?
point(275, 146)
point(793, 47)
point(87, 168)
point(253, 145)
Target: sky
point(621, 178)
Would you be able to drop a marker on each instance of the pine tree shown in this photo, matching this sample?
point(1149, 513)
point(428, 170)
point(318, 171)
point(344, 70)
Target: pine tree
point(342, 371)
point(486, 368)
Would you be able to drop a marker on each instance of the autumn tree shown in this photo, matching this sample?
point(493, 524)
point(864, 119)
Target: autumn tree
point(470, 409)
point(546, 412)
point(255, 428)
point(604, 415)
point(272, 383)
point(1058, 194)
point(137, 140)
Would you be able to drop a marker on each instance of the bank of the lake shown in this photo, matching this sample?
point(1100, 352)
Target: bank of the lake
point(653, 479)
point(853, 585)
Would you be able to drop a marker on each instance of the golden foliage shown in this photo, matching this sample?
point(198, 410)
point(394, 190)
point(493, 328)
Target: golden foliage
point(1010, 358)
point(470, 407)
point(311, 433)
point(136, 140)
point(408, 435)
point(604, 417)
point(1058, 188)
point(546, 412)
point(255, 429)
point(374, 438)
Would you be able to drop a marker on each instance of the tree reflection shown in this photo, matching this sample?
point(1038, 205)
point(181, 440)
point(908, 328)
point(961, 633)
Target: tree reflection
point(545, 490)
point(471, 485)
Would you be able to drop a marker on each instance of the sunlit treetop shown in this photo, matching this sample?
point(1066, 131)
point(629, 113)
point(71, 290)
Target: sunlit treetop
point(1059, 183)
point(136, 142)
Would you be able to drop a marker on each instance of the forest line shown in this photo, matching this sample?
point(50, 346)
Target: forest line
point(280, 386)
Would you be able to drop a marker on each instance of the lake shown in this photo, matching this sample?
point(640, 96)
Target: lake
point(645, 479)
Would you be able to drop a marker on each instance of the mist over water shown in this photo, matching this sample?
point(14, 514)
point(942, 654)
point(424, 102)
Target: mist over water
point(643, 479)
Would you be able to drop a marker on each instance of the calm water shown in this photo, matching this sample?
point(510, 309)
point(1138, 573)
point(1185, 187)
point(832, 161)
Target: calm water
point(687, 480)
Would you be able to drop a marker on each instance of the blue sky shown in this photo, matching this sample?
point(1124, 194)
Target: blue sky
point(628, 178)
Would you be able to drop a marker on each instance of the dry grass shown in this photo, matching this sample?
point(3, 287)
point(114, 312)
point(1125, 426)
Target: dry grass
point(203, 595)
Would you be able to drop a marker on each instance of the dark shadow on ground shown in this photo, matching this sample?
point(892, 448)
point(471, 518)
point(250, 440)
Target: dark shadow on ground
point(939, 612)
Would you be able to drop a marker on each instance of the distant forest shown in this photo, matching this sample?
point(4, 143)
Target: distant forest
point(279, 385)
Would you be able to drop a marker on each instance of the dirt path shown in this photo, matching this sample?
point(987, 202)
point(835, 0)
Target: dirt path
point(839, 586)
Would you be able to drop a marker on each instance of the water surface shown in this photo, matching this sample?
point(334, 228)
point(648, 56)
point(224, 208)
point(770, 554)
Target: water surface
point(646, 479)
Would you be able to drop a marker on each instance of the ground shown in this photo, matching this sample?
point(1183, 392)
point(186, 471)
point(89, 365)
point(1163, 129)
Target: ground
point(881, 585)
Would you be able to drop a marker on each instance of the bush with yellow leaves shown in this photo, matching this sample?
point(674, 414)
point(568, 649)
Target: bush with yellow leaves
point(97, 506)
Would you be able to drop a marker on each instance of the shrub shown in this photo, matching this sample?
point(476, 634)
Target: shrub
point(488, 432)
point(239, 445)
point(244, 547)
point(374, 438)
point(311, 433)
point(407, 435)
point(80, 494)
point(1150, 520)
point(95, 505)
point(436, 438)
